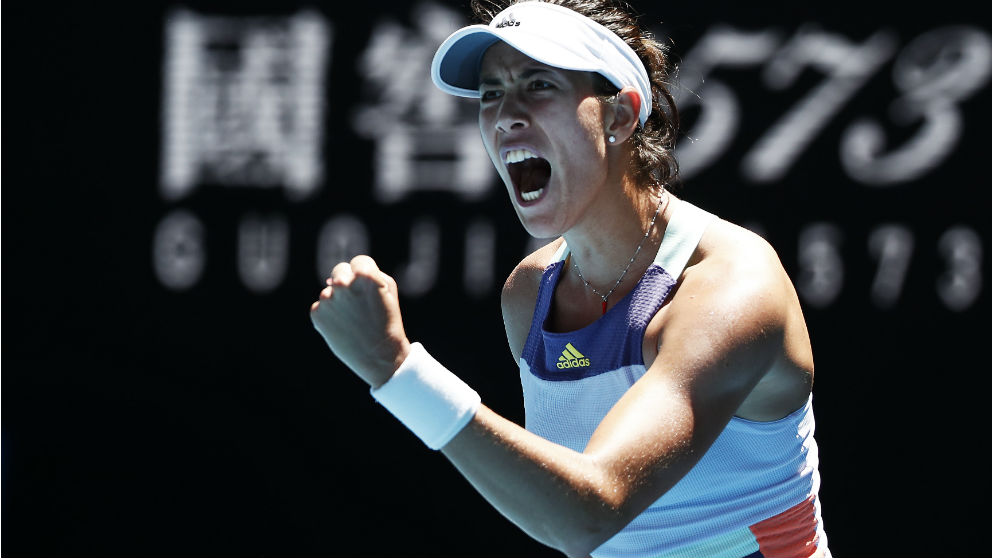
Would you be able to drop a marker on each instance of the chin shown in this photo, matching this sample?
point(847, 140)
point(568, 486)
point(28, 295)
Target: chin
point(540, 228)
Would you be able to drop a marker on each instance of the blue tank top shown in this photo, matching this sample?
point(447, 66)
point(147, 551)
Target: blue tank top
point(754, 492)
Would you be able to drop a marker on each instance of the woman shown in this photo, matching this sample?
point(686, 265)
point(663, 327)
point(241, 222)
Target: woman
point(665, 361)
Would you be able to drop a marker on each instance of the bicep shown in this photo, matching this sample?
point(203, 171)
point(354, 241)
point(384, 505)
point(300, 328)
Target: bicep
point(711, 355)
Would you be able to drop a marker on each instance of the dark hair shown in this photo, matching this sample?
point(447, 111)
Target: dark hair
point(654, 143)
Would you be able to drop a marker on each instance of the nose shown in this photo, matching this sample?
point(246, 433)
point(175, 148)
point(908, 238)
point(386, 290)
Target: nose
point(512, 115)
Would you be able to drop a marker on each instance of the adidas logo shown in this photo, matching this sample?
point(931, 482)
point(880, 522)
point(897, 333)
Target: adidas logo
point(508, 21)
point(572, 358)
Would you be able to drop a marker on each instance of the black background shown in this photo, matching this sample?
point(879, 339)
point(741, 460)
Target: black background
point(143, 421)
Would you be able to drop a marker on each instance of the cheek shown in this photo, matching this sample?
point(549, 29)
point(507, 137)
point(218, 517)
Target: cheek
point(586, 144)
point(487, 138)
point(590, 118)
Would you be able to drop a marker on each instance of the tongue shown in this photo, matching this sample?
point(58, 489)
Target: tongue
point(534, 174)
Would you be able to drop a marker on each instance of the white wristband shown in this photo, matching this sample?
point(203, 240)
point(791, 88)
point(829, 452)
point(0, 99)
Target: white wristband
point(427, 398)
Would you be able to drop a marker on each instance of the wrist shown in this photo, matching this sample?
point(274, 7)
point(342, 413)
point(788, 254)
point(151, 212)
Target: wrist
point(402, 353)
point(426, 397)
point(391, 356)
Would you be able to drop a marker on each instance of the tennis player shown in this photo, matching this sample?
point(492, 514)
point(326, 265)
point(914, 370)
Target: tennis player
point(665, 361)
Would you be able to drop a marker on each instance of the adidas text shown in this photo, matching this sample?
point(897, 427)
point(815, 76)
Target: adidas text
point(573, 363)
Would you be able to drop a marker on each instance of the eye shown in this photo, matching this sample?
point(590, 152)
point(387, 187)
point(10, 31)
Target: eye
point(539, 84)
point(490, 95)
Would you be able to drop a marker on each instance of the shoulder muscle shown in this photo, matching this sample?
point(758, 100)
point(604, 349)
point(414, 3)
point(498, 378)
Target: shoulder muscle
point(519, 295)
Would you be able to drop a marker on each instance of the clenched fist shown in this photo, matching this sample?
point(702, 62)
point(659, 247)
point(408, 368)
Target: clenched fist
point(358, 315)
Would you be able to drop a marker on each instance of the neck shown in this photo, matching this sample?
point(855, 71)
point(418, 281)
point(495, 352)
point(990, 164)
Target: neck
point(602, 251)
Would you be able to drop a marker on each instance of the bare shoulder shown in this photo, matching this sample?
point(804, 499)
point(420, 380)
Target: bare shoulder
point(740, 260)
point(735, 269)
point(519, 295)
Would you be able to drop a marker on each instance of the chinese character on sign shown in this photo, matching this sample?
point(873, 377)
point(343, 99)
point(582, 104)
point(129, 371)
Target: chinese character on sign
point(243, 102)
point(424, 139)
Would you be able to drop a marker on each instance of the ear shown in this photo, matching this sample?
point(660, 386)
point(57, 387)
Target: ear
point(621, 117)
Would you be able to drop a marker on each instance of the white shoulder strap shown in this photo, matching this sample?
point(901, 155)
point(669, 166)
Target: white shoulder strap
point(681, 237)
point(561, 253)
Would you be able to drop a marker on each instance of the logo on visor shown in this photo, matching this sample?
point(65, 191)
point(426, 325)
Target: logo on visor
point(508, 21)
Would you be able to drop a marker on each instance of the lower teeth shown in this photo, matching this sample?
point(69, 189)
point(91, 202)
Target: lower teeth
point(530, 196)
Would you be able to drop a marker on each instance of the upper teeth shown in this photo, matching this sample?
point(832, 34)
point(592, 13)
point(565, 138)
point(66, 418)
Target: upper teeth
point(517, 155)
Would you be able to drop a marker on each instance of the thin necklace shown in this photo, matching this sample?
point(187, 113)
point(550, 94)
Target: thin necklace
point(629, 263)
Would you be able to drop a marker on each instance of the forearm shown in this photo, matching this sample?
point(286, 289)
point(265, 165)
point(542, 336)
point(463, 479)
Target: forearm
point(563, 498)
point(560, 497)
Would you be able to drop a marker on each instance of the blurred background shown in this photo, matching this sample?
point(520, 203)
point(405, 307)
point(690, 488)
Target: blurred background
point(181, 176)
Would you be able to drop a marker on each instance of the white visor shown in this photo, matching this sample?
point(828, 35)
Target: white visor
point(548, 33)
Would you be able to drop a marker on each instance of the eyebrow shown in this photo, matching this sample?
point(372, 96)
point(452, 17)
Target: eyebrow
point(530, 72)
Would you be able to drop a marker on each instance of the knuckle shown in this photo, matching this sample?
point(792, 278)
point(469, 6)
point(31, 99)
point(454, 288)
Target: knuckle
point(364, 265)
point(366, 270)
point(342, 274)
point(362, 259)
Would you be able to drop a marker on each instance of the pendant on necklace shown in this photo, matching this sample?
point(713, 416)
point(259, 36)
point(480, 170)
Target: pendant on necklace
point(604, 307)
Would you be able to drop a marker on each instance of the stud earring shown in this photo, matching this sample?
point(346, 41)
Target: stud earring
point(612, 139)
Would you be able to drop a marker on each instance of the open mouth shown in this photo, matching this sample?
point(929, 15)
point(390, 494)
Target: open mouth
point(529, 172)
